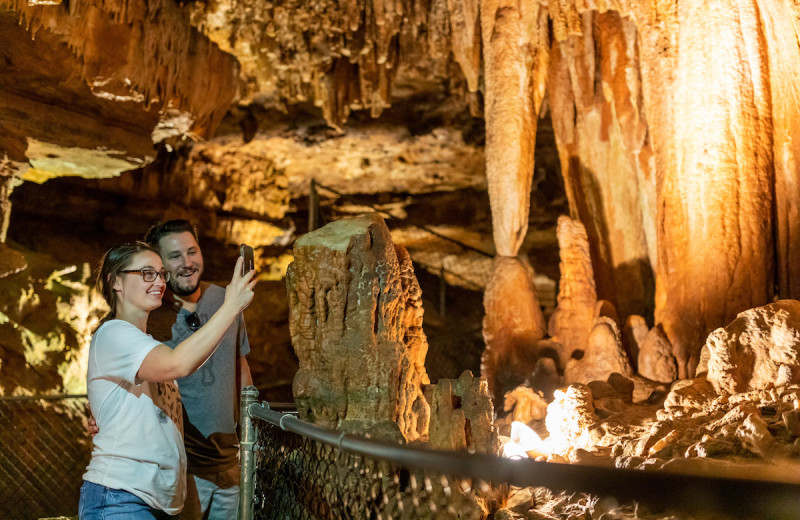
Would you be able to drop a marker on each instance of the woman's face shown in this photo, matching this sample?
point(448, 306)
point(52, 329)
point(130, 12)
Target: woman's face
point(133, 291)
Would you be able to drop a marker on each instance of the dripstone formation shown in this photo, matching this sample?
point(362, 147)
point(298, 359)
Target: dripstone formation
point(356, 326)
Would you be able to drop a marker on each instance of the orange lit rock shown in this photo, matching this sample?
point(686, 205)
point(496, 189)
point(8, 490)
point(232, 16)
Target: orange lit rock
point(569, 418)
point(356, 325)
point(633, 334)
point(655, 359)
point(512, 325)
point(602, 357)
point(515, 52)
point(572, 320)
point(715, 197)
point(525, 405)
point(462, 416)
point(760, 348)
point(597, 107)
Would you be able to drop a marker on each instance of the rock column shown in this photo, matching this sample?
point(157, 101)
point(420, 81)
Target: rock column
point(355, 319)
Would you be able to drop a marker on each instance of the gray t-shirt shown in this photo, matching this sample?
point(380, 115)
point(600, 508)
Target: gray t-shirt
point(211, 394)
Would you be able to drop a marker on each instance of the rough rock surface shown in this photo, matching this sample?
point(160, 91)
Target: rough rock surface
point(511, 327)
point(603, 356)
point(759, 349)
point(573, 318)
point(356, 326)
point(515, 51)
point(462, 415)
point(633, 334)
point(569, 417)
point(655, 360)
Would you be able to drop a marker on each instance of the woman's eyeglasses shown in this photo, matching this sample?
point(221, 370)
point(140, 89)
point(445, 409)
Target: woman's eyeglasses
point(150, 275)
point(193, 321)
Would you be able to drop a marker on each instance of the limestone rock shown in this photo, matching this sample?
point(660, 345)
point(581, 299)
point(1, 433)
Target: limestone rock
point(761, 346)
point(512, 325)
point(356, 325)
point(573, 318)
point(516, 53)
point(690, 394)
point(462, 416)
point(569, 418)
point(525, 405)
point(656, 361)
point(603, 356)
point(633, 334)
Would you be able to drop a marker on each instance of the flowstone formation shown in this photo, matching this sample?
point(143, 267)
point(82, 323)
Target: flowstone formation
point(356, 326)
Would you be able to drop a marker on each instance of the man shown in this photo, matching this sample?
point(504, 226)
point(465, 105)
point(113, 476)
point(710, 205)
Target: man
point(211, 395)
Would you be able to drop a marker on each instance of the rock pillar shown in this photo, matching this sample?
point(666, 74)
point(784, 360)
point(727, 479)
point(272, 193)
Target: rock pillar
point(355, 318)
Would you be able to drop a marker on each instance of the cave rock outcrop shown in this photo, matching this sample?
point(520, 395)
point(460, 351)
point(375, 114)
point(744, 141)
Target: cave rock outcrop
point(356, 325)
point(760, 348)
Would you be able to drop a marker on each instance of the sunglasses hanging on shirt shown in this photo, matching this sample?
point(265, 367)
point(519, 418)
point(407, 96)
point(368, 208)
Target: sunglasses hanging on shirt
point(193, 321)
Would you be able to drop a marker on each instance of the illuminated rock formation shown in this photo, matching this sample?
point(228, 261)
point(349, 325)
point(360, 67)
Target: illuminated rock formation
point(356, 326)
point(515, 68)
point(655, 359)
point(511, 327)
point(602, 356)
point(462, 416)
point(572, 321)
point(759, 349)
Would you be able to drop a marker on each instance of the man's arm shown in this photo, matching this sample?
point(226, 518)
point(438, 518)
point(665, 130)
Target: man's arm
point(244, 371)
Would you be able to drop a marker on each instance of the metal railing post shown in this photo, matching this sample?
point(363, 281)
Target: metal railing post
point(247, 454)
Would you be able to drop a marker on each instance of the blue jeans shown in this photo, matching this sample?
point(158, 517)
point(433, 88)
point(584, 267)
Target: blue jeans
point(102, 503)
point(213, 496)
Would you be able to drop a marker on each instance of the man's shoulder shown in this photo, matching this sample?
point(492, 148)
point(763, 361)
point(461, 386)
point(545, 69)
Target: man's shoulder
point(212, 294)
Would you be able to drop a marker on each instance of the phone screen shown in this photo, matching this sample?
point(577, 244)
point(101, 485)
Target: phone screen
point(246, 252)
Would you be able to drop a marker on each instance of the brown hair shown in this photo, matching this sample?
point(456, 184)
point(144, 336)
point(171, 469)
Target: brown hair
point(116, 259)
point(170, 227)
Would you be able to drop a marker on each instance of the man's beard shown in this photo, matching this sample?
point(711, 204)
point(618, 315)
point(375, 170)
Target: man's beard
point(183, 290)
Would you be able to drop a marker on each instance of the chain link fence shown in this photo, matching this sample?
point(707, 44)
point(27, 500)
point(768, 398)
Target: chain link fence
point(295, 470)
point(44, 450)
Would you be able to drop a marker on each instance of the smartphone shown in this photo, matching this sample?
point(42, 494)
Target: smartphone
point(246, 252)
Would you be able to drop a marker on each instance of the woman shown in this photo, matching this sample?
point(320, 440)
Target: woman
point(138, 465)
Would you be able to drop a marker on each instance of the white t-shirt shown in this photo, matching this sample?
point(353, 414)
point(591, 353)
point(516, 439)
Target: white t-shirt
point(140, 445)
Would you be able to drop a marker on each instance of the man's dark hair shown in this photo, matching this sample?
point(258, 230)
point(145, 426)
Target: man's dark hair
point(170, 227)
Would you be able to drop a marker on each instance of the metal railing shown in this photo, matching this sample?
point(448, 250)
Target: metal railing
point(293, 469)
point(44, 450)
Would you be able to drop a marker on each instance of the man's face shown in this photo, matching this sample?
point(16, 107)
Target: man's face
point(184, 261)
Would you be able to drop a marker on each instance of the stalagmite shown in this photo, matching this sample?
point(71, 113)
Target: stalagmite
point(356, 326)
point(512, 325)
point(572, 321)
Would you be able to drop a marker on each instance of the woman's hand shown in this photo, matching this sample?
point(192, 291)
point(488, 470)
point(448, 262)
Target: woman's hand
point(239, 293)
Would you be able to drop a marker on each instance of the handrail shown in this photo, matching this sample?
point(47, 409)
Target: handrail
point(660, 489)
point(41, 397)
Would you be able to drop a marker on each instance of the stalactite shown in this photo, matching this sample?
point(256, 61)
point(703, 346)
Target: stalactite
point(145, 47)
point(596, 101)
point(515, 70)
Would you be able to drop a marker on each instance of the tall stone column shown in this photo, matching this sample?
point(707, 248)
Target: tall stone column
point(715, 203)
point(355, 318)
point(516, 52)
